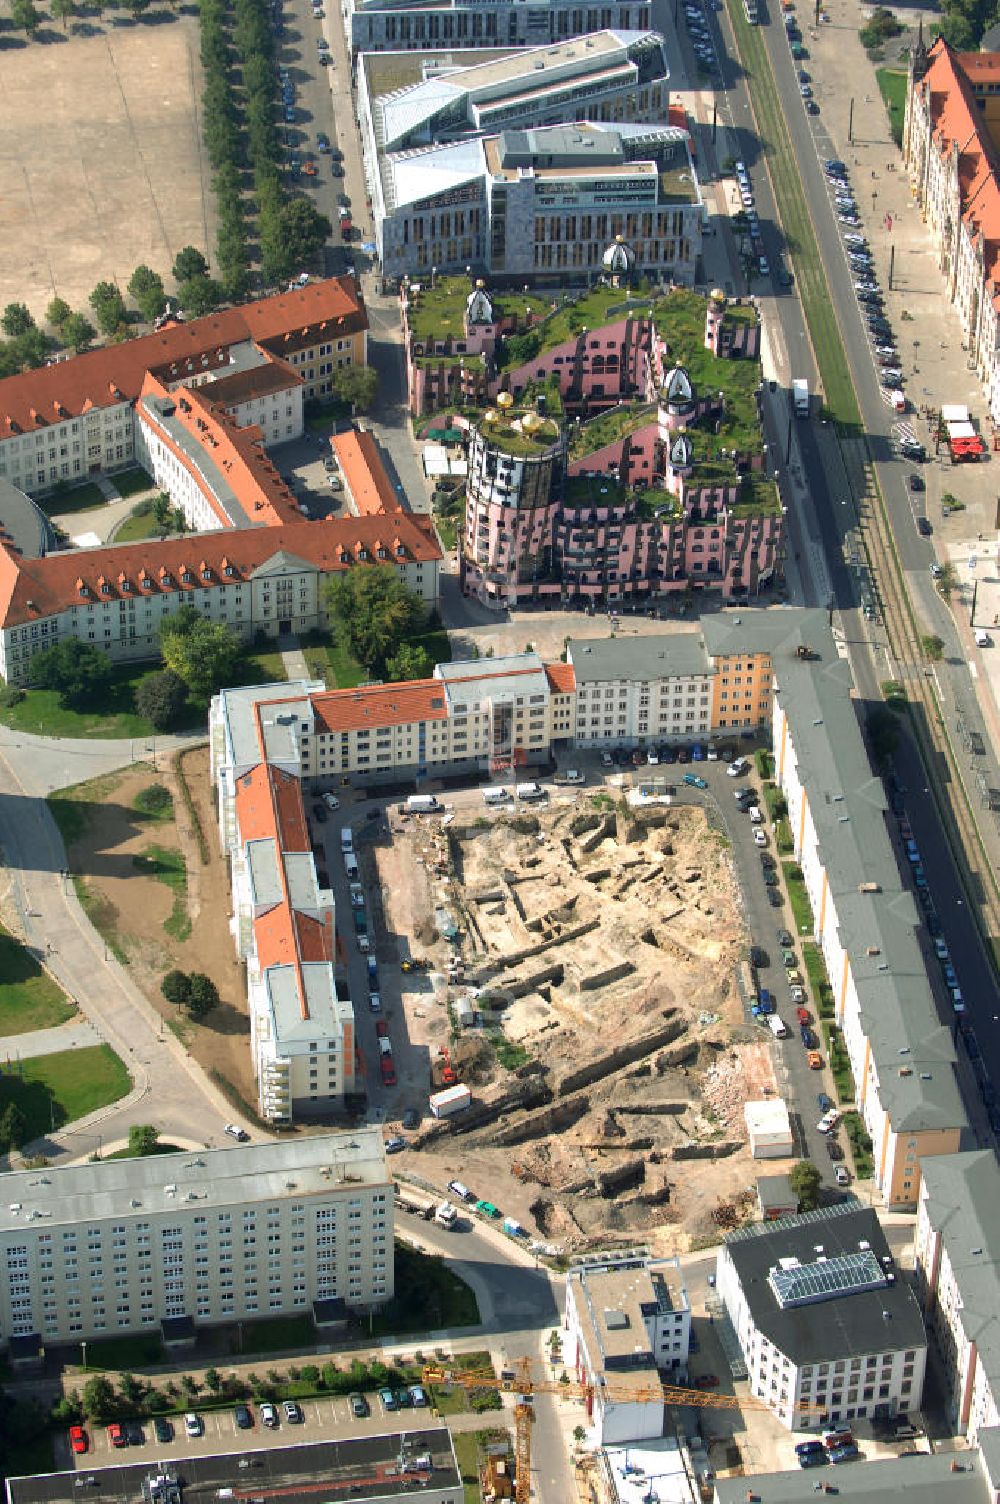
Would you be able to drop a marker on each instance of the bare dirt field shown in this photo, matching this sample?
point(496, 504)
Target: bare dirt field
point(599, 947)
point(101, 162)
point(133, 907)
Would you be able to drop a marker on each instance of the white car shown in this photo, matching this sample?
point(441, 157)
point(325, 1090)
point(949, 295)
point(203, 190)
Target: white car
point(268, 1414)
point(759, 838)
point(193, 1424)
point(607, 761)
point(573, 775)
point(842, 1176)
point(235, 1131)
point(756, 818)
point(737, 768)
point(363, 945)
point(797, 995)
point(828, 1121)
point(331, 801)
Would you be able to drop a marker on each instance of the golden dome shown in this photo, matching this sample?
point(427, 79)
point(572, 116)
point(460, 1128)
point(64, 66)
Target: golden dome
point(504, 400)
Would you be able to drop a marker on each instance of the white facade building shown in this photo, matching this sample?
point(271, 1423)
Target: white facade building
point(642, 690)
point(768, 1129)
point(391, 25)
point(957, 1258)
point(626, 1318)
point(828, 1331)
point(219, 1235)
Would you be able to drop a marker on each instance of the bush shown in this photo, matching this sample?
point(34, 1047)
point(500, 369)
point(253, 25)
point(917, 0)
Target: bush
point(161, 699)
point(154, 800)
point(203, 995)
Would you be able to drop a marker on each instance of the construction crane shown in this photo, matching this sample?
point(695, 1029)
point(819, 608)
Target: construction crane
point(526, 1386)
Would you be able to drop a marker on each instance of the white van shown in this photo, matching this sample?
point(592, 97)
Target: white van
point(384, 1047)
point(527, 791)
point(346, 839)
point(351, 866)
point(776, 1027)
point(496, 796)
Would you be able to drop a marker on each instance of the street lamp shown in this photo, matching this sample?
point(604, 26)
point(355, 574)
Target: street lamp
point(83, 1349)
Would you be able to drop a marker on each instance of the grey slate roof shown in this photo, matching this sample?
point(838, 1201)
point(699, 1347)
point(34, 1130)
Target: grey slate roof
point(918, 1480)
point(846, 1326)
point(599, 658)
point(23, 525)
point(963, 1207)
point(912, 1051)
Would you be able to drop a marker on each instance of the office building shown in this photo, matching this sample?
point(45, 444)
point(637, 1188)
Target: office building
point(829, 1331)
point(919, 1477)
point(607, 76)
point(196, 1239)
point(404, 25)
point(627, 1318)
point(542, 205)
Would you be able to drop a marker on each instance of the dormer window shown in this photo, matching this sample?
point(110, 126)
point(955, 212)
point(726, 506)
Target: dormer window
point(166, 578)
point(105, 588)
point(400, 551)
point(228, 570)
point(85, 592)
point(127, 586)
point(383, 553)
point(206, 574)
point(186, 577)
point(362, 553)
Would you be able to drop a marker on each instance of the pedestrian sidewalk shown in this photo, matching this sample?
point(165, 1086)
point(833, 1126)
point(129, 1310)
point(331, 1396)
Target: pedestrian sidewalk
point(78, 1034)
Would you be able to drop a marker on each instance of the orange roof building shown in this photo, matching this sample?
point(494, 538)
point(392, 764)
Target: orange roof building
point(951, 146)
point(368, 488)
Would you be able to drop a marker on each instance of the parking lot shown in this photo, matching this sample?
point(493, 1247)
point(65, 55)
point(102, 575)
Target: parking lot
point(321, 1420)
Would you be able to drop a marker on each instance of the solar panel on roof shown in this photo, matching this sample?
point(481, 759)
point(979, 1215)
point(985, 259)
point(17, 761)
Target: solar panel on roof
point(825, 1279)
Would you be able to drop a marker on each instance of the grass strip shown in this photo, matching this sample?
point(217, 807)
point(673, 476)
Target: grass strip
point(29, 999)
point(177, 763)
point(168, 866)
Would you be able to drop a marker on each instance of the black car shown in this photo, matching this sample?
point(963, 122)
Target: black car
point(774, 898)
point(915, 482)
point(833, 1148)
point(758, 956)
point(924, 527)
point(771, 879)
point(411, 1118)
point(243, 1418)
point(767, 861)
point(162, 1429)
point(319, 811)
point(913, 451)
point(133, 1432)
point(784, 938)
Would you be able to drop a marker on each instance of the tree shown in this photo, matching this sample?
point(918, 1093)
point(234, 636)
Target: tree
point(25, 16)
point(947, 580)
point(160, 698)
point(203, 996)
point(176, 986)
point(356, 385)
point(202, 653)
point(77, 331)
point(302, 232)
point(409, 661)
point(142, 1139)
point(213, 1379)
point(79, 672)
point(99, 1399)
point(189, 263)
point(146, 287)
point(375, 612)
point(13, 1127)
point(805, 1180)
point(131, 1389)
point(58, 312)
point(520, 348)
point(933, 647)
point(161, 511)
point(16, 319)
point(109, 307)
point(63, 10)
point(200, 295)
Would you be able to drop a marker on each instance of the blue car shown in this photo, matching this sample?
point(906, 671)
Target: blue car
point(849, 1453)
point(697, 752)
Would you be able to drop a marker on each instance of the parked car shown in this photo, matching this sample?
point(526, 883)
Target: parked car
point(359, 1406)
point(243, 1417)
point(388, 1399)
point(269, 1414)
point(134, 1434)
point(842, 1176)
point(236, 1132)
point(395, 1145)
point(116, 1434)
point(193, 1424)
point(162, 1428)
point(78, 1439)
point(293, 1413)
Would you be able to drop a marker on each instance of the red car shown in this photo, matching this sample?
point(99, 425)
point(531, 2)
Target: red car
point(382, 1028)
point(78, 1439)
point(388, 1071)
point(707, 1381)
point(116, 1435)
point(803, 1015)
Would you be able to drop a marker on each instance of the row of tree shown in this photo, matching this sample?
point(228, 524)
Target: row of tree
point(240, 130)
point(25, 15)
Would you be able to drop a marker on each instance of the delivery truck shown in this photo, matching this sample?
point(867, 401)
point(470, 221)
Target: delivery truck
point(800, 398)
point(444, 1104)
point(416, 1205)
point(422, 804)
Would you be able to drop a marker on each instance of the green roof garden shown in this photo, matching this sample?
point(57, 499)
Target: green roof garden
point(758, 497)
point(609, 426)
point(680, 321)
point(600, 305)
point(438, 312)
point(605, 491)
point(677, 186)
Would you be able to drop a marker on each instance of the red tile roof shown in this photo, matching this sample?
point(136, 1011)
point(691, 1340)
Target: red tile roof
point(31, 589)
point(115, 373)
point(561, 677)
point(372, 492)
point(379, 705)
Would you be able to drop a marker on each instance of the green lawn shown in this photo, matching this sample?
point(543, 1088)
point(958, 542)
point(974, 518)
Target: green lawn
point(85, 498)
point(892, 86)
point(334, 663)
point(277, 1334)
point(170, 868)
point(141, 524)
point(29, 999)
point(125, 1354)
point(812, 960)
point(793, 212)
point(861, 1145)
point(467, 1448)
point(52, 1090)
point(131, 482)
point(798, 898)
